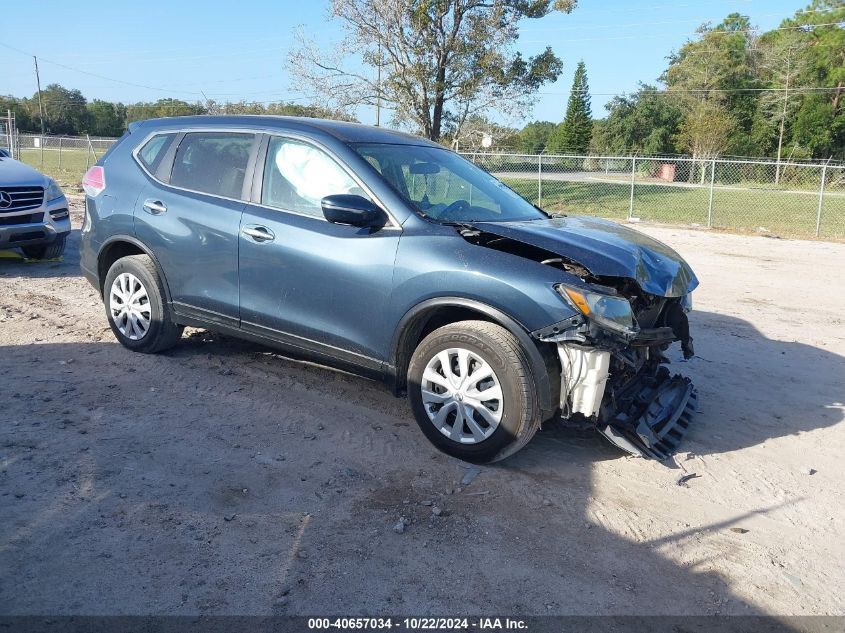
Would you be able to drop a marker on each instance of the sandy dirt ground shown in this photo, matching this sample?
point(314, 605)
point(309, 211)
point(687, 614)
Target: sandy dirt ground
point(223, 478)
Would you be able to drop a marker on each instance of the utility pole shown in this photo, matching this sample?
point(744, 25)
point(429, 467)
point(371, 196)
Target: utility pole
point(40, 105)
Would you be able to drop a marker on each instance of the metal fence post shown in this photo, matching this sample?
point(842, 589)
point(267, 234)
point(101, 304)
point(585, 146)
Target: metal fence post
point(633, 175)
point(710, 198)
point(540, 180)
point(821, 199)
point(60, 152)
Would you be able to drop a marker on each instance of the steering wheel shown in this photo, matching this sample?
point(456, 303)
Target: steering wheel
point(457, 205)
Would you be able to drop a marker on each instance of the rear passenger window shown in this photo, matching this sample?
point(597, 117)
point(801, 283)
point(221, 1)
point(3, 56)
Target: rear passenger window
point(153, 150)
point(297, 176)
point(212, 162)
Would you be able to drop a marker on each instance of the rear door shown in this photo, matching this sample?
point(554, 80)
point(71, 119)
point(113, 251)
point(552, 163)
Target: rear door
point(189, 215)
point(314, 284)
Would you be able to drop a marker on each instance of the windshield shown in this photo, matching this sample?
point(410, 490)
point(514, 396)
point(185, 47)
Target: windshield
point(445, 187)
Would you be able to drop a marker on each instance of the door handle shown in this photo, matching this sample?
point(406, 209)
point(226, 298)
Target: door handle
point(259, 233)
point(154, 207)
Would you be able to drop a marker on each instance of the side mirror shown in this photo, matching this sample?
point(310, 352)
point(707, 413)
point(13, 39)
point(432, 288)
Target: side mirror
point(353, 210)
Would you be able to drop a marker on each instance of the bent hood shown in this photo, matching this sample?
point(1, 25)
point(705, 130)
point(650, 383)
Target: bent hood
point(606, 249)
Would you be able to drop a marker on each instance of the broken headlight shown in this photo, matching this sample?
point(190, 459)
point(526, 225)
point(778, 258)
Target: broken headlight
point(613, 313)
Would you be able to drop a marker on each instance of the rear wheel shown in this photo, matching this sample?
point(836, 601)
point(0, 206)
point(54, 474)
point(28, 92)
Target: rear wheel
point(48, 251)
point(472, 391)
point(136, 308)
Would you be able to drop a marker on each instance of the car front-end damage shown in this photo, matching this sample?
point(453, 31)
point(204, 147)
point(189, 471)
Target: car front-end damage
point(616, 377)
point(630, 296)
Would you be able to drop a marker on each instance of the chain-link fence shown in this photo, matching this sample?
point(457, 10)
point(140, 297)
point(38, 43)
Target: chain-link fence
point(65, 158)
point(786, 198)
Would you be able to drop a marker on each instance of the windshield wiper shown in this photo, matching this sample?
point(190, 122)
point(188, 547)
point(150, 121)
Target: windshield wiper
point(464, 224)
point(548, 214)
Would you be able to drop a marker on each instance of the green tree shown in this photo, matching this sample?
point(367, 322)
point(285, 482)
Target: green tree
point(18, 107)
point(281, 108)
point(819, 122)
point(647, 122)
point(576, 131)
point(783, 66)
point(818, 128)
point(706, 128)
point(533, 137)
point(106, 118)
point(162, 108)
point(436, 62)
point(65, 110)
point(713, 78)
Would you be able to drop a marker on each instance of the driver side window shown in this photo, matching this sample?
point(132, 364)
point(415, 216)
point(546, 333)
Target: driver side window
point(297, 176)
point(441, 188)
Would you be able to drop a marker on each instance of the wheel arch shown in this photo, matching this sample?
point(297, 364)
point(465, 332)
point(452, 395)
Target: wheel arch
point(119, 246)
point(431, 314)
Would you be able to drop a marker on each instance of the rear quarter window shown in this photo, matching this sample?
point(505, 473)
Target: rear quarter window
point(154, 149)
point(212, 162)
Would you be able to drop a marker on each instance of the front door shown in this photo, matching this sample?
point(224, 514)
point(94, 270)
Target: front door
point(315, 284)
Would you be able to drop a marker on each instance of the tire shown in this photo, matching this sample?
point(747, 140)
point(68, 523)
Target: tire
point(516, 415)
point(48, 251)
point(149, 326)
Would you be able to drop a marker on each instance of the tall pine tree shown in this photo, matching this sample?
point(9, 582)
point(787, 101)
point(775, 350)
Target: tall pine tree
point(574, 134)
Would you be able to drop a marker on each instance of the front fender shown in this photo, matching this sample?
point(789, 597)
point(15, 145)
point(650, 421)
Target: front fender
point(445, 265)
point(546, 376)
point(437, 269)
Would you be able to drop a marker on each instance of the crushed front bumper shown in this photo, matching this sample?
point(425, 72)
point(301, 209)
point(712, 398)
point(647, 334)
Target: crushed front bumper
point(645, 412)
point(655, 422)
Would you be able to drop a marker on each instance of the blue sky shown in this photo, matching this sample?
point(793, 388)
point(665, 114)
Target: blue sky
point(237, 50)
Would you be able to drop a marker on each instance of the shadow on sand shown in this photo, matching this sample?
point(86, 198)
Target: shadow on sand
point(123, 475)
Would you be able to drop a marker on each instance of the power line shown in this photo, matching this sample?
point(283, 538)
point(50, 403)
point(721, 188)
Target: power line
point(640, 24)
point(699, 91)
point(98, 76)
point(639, 36)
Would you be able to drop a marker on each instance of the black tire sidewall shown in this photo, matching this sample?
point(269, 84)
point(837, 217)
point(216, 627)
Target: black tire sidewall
point(158, 314)
point(48, 251)
point(516, 406)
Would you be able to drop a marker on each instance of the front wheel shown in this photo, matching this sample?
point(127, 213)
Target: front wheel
point(136, 307)
point(472, 391)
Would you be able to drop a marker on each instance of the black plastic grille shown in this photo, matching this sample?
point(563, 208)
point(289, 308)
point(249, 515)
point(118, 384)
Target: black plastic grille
point(11, 220)
point(23, 237)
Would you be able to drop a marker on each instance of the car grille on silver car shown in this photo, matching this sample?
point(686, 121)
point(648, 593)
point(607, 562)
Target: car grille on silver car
point(14, 199)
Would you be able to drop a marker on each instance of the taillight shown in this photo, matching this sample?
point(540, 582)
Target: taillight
point(94, 181)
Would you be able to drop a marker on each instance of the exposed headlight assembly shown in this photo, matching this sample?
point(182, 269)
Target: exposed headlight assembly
point(52, 190)
point(613, 313)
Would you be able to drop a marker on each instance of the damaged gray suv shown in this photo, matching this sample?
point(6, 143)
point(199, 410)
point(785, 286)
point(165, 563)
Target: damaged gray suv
point(388, 255)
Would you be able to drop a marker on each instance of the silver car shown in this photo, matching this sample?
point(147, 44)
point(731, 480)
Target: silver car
point(33, 211)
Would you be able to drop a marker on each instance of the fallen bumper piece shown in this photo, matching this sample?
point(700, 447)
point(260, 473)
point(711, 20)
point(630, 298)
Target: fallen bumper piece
point(657, 419)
